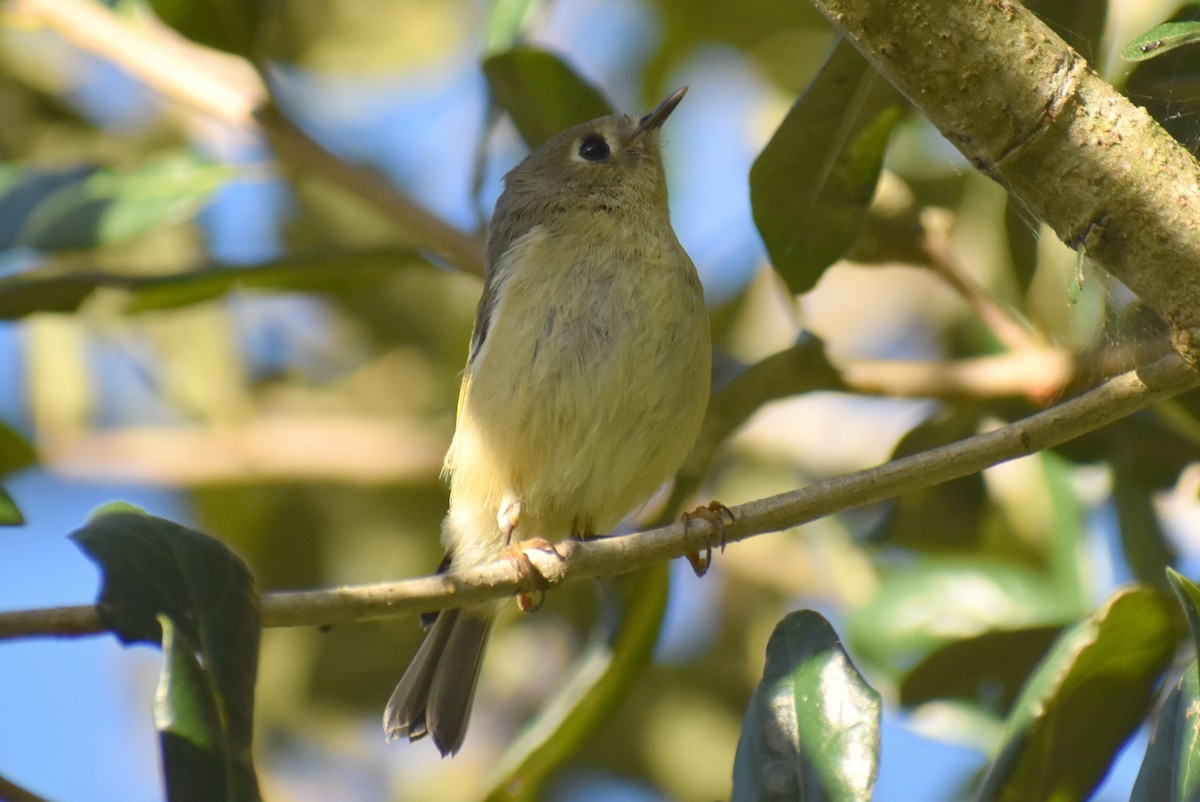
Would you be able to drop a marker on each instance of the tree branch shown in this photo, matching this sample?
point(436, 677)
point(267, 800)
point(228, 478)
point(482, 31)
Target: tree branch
point(1026, 109)
point(1112, 400)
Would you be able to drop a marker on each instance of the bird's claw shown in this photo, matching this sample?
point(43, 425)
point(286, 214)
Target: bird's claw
point(531, 602)
point(716, 514)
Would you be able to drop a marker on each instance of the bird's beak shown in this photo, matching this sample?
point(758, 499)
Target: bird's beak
point(659, 116)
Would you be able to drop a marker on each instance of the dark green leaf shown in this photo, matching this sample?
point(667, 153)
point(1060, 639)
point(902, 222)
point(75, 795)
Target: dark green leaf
point(26, 295)
point(1168, 86)
point(987, 670)
point(1143, 542)
point(88, 208)
point(15, 451)
point(155, 570)
point(1087, 697)
point(1161, 39)
point(11, 792)
point(1079, 22)
point(1189, 598)
point(541, 93)
point(606, 672)
point(10, 513)
point(1022, 230)
point(811, 730)
point(1171, 769)
point(229, 25)
point(812, 184)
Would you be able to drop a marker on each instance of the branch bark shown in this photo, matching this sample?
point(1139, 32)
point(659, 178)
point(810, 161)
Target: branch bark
point(1026, 109)
point(1115, 399)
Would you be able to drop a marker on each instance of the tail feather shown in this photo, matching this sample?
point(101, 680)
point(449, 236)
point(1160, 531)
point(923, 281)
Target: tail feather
point(434, 696)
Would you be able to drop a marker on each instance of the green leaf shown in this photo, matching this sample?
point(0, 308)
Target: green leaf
point(812, 184)
point(605, 673)
point(11, 792)
point(229, 25)
point(157, 571)
point(26, 295)
point(1189, 598)
point(1087, 697)
point(1079, 22)
point(1161, 39)
point(811, 730)
point(87, 208)
point(507, 21)
point(10, 513)
point(15, 451)
point(541, 93)
point(1170, 771)
point(987, 670)
point(1143, 542)
point(1168, 85)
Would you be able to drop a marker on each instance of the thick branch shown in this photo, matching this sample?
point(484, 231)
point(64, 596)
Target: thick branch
point(1115, 399)
point(1025, 108)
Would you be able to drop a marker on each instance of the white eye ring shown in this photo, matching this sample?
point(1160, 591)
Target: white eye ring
point(593, 148)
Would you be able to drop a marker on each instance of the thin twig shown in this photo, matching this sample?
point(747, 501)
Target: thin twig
point(1121, 396)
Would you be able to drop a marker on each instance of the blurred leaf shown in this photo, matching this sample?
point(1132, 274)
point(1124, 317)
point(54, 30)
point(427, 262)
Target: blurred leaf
point(1189, 598)
point(541, 93)
point(10, 792)
point(1079, 22)
point(988, 669)
point(812, 184)
point(15, 451)
point(229, 25)
point(944, 517)
point(1087, 697)
point(507, 21)
point(1161, 39)
point(155, 570)
point(10, 513)
point(1143, 541)
point(942, 599)
point(338, 272)
point(1170, 771)
point(597, 686)
point(799, 369)
point(1022, 230)
point(84, 207)
point(811, 730)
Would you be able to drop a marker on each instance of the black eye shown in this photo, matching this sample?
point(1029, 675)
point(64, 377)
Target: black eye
point(594, 148)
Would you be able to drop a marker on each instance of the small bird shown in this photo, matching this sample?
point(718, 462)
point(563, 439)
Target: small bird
point(586, 382)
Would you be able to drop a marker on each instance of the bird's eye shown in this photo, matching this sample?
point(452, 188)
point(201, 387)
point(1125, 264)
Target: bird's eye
point(594, 149)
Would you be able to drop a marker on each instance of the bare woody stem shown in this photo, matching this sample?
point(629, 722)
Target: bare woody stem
point(1026, 109)
point(1115, 399)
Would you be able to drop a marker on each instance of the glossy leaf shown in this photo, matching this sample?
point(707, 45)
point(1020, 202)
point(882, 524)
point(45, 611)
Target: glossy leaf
point(605, 673)
point(1161, 39)
point(812, 184)
point(157, 571)
point(541, 93)
point(1087, 697)
point(229, 25)
point(84, 207)
point(27, 295)
point(1189, 598)
point(811, 730)
point(1170, 771)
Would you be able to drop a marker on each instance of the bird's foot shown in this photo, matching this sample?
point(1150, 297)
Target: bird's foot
point(532, 602)
point(716, 514)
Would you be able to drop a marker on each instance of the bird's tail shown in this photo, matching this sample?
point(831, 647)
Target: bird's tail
point(434, 696)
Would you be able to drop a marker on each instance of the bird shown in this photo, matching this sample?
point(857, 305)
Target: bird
point(586, 383)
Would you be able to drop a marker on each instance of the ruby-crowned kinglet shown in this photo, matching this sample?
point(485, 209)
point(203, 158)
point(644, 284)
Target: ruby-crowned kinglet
point(585, 386)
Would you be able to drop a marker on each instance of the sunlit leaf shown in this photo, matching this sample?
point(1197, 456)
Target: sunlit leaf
point(507, 21)
point(811, 730)
point(165, 583)
point(541, 93)
point(1087, 697)
point(85, 207)
point(812, 184)
point(10, 513)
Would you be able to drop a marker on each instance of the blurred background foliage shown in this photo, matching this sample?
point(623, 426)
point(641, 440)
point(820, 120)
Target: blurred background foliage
point(227, 309)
